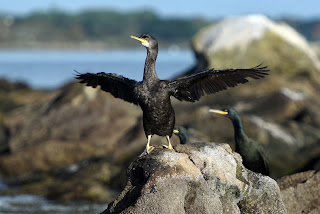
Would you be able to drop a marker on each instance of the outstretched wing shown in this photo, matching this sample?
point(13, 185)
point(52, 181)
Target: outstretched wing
point(192, 88)
point(119, 86)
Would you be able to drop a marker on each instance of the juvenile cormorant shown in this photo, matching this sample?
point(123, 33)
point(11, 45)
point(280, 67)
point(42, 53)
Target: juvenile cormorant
point(182, 133)
point(252, 152)
point(153, 94)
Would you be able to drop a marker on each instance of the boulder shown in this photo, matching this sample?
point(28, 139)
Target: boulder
point(68, 128)
point(239, 34)
point(301, 192)
point(247, 41)
point(196, 178)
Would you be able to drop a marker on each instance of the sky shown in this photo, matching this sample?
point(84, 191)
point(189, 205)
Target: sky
point(195, 8)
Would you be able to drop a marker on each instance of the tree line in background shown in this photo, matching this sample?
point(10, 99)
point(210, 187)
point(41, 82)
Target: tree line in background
point(109, 27)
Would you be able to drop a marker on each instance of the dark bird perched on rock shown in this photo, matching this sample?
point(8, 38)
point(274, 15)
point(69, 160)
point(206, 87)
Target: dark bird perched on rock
point(252, 153)
point(153, 94)
point(182, 133)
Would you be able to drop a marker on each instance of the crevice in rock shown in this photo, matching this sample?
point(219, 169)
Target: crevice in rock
point(310, 177)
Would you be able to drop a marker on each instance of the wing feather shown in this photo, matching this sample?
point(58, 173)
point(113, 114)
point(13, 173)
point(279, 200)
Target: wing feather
point(192, 88)
point(119, 86)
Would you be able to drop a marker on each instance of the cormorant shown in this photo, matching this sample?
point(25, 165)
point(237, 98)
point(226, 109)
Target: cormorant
point(252, 153)
point(182, 133)
point(153, 94)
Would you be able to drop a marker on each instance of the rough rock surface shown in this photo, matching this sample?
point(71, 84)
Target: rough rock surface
point(196, 178)
point(301, 192)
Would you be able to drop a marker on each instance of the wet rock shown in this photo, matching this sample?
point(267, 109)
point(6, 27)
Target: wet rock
point(196, 178)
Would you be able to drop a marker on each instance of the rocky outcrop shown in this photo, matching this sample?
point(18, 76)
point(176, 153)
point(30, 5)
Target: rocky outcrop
point(196, 178)
point(240, 33)
point(301, 192)
point(76, 137)
point(66, 129)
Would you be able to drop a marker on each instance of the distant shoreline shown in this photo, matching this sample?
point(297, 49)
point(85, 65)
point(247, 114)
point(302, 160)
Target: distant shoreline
point(84, 45)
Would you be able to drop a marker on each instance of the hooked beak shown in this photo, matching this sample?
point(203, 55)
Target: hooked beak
point(218, 111)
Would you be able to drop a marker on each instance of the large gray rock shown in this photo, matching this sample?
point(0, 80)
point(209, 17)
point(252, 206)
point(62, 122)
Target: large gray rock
point(196, 178)
point(240, 32)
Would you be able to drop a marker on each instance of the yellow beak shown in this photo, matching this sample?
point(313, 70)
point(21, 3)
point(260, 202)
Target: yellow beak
point(218, 111)
point(139, 39)
point(175, 131)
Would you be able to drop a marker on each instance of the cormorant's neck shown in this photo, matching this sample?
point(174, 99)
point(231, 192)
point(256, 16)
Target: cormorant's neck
point(184, 139)
point(238, 130)
point(149, 67)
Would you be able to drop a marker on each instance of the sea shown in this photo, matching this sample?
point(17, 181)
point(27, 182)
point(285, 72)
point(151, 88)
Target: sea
point(50, 69)
point(34, 204)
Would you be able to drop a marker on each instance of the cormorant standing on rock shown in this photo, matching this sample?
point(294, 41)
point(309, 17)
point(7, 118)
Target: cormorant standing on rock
point(252, 153)
point(153, 95)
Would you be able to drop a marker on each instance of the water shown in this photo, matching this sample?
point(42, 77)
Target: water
point(50, 69)
point(33, 204)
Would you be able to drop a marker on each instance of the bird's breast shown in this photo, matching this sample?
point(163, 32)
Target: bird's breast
point(158, 114)
point(154, 100)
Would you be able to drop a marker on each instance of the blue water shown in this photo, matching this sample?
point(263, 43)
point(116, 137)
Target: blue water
point(50, 69)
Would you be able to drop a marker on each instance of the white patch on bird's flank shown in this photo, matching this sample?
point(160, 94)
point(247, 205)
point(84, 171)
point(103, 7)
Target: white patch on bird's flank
point(273, 129)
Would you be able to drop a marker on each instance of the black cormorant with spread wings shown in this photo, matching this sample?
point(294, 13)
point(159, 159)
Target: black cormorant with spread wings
point(153, 95)
point(252, 153)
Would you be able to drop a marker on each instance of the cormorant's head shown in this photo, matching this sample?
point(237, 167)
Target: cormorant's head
point(227, 112)
point(147, 40)
point(182, 133)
